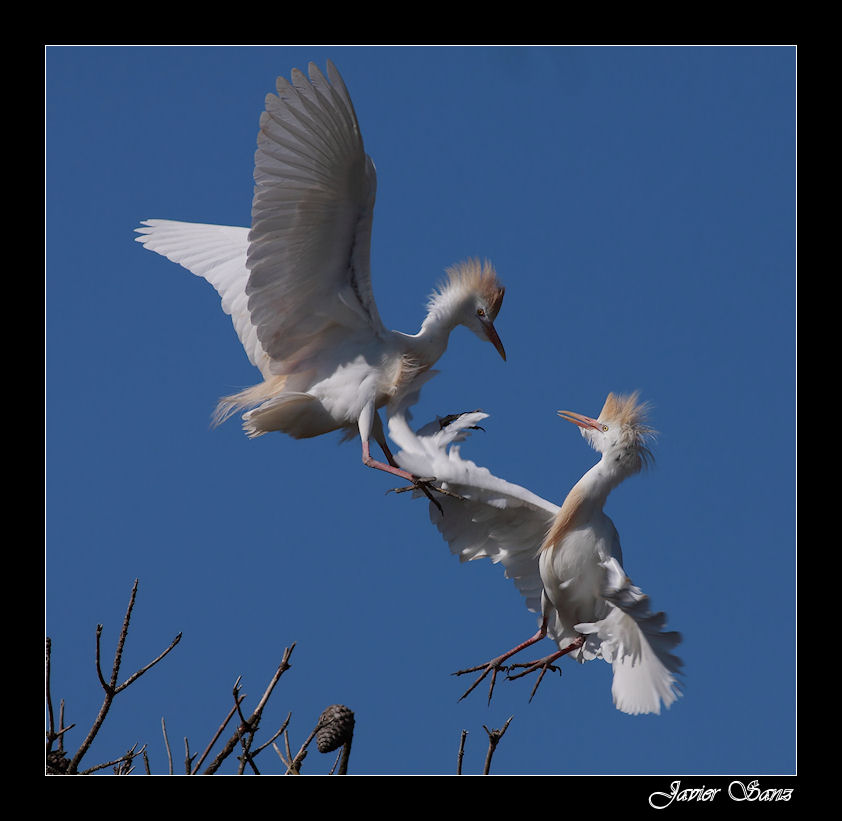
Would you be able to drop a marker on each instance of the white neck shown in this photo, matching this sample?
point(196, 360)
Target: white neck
point(599, 481)
point(431, 341)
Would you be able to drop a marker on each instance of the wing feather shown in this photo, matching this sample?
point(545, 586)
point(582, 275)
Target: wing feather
point(298, 282)
point(218, 254)
point(312, 212)
point(493, 519)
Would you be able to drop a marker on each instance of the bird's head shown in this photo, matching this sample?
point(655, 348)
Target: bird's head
point(619, 433)
point(475, 292)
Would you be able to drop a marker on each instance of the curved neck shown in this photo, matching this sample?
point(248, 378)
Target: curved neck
point(585, 500)
point(598, 482)
point(430, 342)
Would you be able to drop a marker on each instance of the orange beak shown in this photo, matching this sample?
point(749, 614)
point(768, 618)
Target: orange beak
point(580, 420)
point(491, 333)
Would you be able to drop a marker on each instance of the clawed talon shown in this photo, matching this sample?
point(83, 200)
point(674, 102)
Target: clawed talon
point(422, 484)
point(543, 665)
point(415, 486)
point(492, 667)
point(496, 664)
point(425, 485)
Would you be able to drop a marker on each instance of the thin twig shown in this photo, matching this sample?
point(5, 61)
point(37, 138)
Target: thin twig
point(250, 724)
point(128, 756)
point(167, 745)
point(346, 754)
point(188, 759)
point(51, 735)
point(335, 763)
point(135, 676)
point(216, 737)
point(59, 734)
point(282, 668)
point(280, 754)
point(246, 738)
point(461, 753)
point(283, 727)
point(246, 757)
point(288, 760)
point(494, 737)
point(295, 764)
point(244, 722)
point(98, 665)
point(111, 688)
point(61, 724)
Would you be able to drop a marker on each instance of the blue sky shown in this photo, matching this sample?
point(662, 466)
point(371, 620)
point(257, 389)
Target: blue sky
point(639, 205)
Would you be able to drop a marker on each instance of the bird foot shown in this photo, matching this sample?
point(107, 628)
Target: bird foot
point(543, 665)
point(494, 666)
point(428, 482)
point(425, 485)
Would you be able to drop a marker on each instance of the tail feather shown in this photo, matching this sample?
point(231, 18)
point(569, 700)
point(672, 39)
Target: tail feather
point(631, 637)
point(248, 398)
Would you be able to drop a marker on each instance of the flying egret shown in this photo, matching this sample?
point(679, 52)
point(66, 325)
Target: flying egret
point(566, 561)
point(298, 287)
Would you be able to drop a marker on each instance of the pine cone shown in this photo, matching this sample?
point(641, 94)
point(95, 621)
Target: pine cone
point(336, 727)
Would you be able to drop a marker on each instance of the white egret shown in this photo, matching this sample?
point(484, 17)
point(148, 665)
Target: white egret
point(566, 561)
point(298, 287)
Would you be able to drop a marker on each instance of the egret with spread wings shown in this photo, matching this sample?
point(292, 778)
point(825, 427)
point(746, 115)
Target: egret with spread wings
point(566, 561)
point(298, 286)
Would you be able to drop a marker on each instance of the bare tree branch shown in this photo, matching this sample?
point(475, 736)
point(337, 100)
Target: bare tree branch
point(61, 724)
point(216, 736)
point(111, 688)
point(188, 759)
point(461, 752)
point(126, 758)
point(281, 729)
point(295, 764)
point(56, 760)
point(167, 745)
point(286, 759)
point(494, 737)
point(334, 728)
point(343, 762)
point(135, 676)
point(51, 735)
point(251, 724)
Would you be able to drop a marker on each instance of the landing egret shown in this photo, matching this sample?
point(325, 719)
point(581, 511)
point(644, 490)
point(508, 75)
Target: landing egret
point(566, 561)
point(298, 287)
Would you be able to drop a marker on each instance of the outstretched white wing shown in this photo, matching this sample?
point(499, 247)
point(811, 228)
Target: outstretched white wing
point(299, 280)
point(494, 518)
point(311, 219)
point(217, 253)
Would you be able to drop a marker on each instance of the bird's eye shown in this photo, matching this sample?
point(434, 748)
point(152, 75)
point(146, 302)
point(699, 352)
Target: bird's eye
point(604, 428)
point(480, 312)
